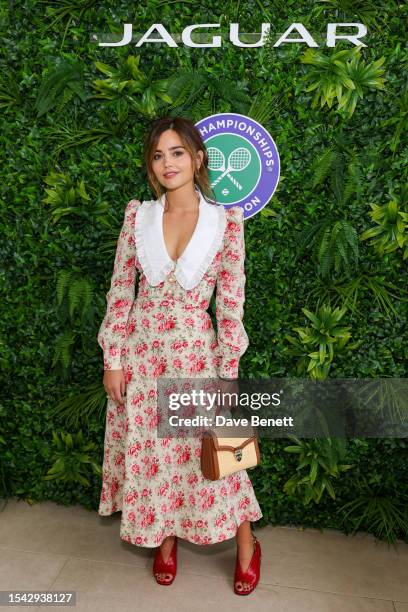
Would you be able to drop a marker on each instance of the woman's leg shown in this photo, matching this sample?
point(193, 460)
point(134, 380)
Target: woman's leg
point(245, 549)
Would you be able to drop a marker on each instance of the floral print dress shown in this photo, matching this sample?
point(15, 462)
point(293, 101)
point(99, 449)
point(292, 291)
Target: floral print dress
point(166, 331)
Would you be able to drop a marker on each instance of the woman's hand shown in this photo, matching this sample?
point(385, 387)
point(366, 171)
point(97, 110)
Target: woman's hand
point(115, 385)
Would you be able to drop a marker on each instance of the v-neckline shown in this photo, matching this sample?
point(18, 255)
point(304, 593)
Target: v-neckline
point(197, 256)
point(174, 261)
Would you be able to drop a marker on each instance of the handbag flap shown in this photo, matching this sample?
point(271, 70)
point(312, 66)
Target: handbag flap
point(231, 443)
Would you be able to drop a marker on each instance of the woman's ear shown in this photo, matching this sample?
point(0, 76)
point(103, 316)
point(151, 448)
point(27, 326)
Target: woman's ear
point(199, 161)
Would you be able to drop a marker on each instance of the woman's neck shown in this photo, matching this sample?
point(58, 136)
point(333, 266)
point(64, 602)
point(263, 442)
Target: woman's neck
point(181, 199)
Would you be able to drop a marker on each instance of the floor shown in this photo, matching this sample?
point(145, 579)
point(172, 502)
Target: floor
point(53, 548)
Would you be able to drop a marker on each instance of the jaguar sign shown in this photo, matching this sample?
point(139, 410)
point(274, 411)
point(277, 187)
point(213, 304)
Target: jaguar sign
point(295, 33)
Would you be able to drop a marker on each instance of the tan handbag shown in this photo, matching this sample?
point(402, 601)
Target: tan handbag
point(222, 455)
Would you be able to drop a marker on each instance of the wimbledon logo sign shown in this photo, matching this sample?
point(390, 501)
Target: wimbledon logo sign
point(243, 162)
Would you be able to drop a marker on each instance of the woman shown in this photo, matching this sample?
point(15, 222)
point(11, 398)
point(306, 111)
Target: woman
point(180, 245)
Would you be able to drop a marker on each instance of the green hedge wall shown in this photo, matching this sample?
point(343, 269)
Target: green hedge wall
point(71, 153)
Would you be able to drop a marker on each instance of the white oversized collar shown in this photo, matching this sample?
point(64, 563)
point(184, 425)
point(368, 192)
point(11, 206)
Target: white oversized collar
point(193, 263)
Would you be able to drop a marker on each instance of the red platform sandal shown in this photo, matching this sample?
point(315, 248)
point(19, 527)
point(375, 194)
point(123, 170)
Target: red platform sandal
point(252, 574)
point(165, 567)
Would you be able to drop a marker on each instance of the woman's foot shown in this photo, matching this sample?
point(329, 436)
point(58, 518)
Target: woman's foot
point(245, 552)
point(165, 555)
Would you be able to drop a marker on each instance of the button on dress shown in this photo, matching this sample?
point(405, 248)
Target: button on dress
point(165, 331)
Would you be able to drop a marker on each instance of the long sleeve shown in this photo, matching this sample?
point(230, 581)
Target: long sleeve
point(231, 335)
point(120, 297)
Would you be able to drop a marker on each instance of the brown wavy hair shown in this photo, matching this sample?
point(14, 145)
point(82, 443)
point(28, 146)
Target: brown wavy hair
point(191, 139)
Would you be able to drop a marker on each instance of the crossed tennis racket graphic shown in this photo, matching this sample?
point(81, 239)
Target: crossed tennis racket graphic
point(238, 160)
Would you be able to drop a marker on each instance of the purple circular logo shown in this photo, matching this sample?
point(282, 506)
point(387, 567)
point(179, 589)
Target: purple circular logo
point(243, 161)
